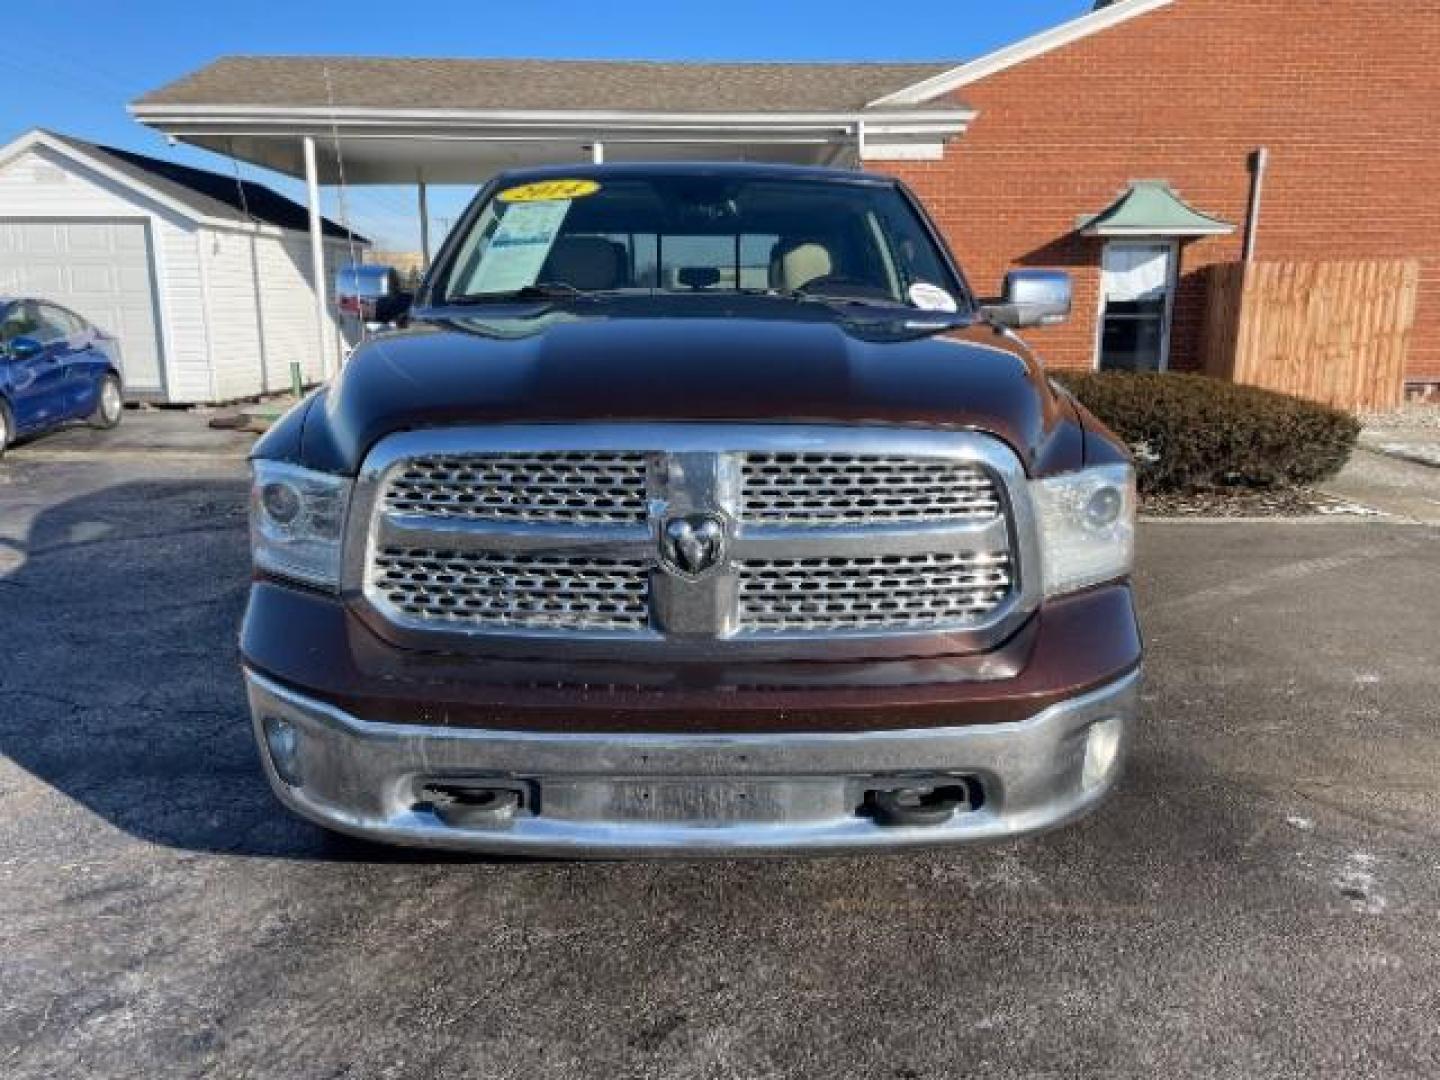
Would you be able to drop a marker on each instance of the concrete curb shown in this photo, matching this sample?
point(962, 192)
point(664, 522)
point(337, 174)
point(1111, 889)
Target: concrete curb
point(1307, 519)
point(1402, 455)
point(22, 456)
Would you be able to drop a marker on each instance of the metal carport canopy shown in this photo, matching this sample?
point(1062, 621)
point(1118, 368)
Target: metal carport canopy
point(453, 147)
point(375, 120)
point(396, 121)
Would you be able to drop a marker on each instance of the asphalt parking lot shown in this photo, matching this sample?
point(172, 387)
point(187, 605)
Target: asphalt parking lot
point(1260, 899)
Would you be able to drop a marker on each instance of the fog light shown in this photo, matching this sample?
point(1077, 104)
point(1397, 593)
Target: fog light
point(1102, 752)
point(283, 742)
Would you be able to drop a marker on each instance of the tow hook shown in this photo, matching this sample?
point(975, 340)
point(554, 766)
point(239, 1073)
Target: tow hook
point(464, 806)
point(920, 806)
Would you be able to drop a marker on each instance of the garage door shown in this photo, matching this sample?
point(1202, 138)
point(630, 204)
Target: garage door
point(100, 269)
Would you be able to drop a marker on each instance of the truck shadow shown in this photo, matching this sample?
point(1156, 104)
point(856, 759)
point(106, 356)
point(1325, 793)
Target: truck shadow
point(120, 681)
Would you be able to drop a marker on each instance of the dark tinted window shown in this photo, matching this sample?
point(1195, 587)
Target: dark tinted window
point(699, 234)
point(18, 320)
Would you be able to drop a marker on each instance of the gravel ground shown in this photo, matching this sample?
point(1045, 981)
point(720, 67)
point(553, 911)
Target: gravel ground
point(1260, 898)
point(1287, 503)
point(1415, 416)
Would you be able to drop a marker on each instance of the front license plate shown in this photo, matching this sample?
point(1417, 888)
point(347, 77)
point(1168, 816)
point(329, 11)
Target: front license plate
point(696, 801)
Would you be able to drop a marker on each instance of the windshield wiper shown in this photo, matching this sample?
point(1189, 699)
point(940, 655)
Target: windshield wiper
point(541, 290)
point(917, 322)
point(801, 295)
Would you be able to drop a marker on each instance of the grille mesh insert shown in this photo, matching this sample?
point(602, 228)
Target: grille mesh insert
point(558, 487)
point(882, 592)
point(854, 535)
point(852, 489)
point(542, 592)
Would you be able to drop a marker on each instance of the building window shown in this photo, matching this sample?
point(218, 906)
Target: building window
point(1137, 296)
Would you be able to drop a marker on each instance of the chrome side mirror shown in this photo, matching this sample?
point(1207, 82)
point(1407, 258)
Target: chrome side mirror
point(1031, 298)
point(371, 293)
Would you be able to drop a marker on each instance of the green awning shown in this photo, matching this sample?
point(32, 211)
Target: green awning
point(1151, 208)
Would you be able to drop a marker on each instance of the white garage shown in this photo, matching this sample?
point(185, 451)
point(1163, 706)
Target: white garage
point(99, 268)
point(203, 278)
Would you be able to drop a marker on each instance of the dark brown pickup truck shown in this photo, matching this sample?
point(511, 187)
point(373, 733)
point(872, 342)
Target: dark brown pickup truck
point(696, 510)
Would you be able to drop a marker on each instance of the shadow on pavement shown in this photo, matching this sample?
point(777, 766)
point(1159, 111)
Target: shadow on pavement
point(120, 683)
point(119, 680)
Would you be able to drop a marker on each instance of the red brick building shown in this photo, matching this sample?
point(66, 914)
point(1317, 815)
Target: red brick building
point(1016, 152)
point(1344, 96)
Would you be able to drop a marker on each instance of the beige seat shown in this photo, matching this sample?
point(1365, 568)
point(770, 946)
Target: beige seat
point(796, 263)
point(586, 262)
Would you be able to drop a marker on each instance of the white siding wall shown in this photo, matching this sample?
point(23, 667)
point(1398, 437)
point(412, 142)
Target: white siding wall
point(262, 311)
point(235, 308)
point(235, 316)
point(42, 184)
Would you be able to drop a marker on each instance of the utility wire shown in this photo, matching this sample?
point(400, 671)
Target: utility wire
point(340, 171)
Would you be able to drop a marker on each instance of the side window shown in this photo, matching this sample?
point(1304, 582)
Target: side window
point(755, 252)
point(740, 261)
point(77, 325)
point(54, 324)
point(911, 250)
point(19, 321)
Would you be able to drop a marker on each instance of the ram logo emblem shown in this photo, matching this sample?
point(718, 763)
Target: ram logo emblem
point(692, 546)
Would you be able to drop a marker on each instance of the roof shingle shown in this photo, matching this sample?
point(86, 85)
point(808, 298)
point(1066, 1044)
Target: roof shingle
point(541, 85)
point(211, 194)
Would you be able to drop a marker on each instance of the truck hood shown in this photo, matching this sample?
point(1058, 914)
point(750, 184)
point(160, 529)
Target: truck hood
point(557, 367)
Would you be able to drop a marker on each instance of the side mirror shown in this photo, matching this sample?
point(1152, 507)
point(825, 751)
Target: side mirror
point(371, 293)
point(24, 348)
point(393, 308)
point(1032, 298)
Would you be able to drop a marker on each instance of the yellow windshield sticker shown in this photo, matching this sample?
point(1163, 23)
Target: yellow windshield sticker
point(550, 190)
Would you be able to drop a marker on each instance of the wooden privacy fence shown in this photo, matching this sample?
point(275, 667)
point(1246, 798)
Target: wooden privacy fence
point(1334, 332)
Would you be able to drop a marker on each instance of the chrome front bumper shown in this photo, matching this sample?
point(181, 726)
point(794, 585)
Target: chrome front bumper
point(584, 795)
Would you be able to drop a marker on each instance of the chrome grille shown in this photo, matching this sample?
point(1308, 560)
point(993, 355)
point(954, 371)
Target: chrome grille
point(536, 592)
point(882, 592)
point(863, 489)
point(888, 542)
point(588, 488)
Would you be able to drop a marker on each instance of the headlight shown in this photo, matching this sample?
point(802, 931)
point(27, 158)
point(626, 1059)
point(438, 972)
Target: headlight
point(1087, 527)
point(297, 522)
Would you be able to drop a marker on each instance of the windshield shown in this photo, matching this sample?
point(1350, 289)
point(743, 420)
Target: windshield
point(701, 235)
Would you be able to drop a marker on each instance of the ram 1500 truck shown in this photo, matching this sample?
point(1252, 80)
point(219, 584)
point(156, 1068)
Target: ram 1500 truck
point(698, 509)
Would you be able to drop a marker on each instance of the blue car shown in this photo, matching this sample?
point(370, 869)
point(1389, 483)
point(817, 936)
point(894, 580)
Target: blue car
point(54, 367)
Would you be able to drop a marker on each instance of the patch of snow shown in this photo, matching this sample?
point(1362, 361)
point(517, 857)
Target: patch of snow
point(1349, 509)
point(1304, 824)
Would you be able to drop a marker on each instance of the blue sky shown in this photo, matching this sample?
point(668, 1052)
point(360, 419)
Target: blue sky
point(97, 55)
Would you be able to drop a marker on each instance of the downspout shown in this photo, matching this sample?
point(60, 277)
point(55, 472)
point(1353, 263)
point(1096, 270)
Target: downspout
point(1259, 164)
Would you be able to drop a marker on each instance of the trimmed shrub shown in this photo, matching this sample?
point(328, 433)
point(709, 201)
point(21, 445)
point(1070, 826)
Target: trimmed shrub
point(1194, 433)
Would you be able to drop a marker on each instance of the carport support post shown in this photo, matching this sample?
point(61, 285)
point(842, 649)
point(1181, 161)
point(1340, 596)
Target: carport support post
point(424, 222)
point(317, 261)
